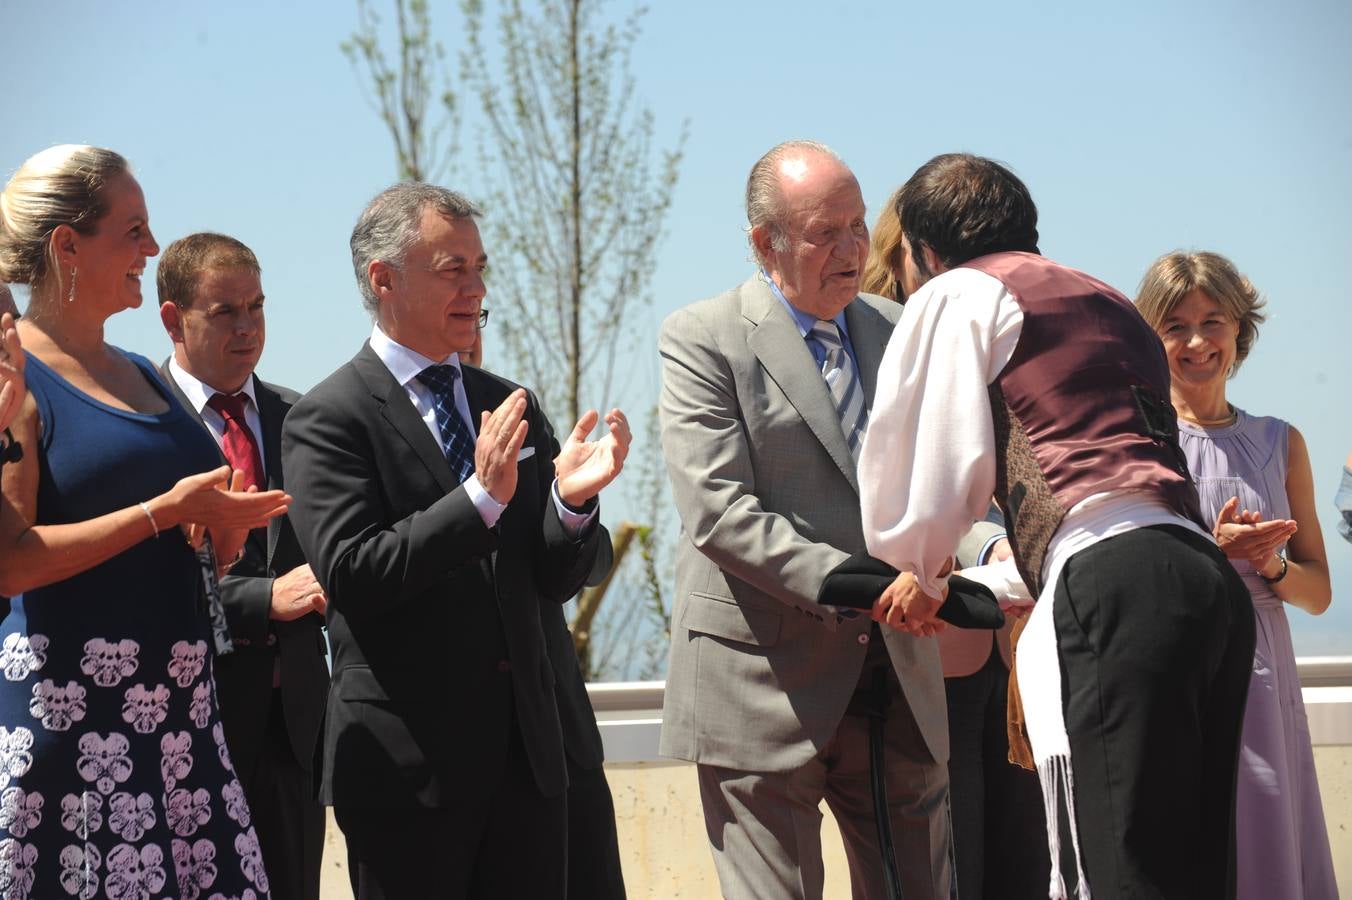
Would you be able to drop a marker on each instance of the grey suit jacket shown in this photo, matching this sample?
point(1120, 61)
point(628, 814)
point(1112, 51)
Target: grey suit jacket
point(765, 488)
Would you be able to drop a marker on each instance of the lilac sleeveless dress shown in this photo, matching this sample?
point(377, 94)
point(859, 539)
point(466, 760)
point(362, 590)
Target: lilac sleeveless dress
point(1282, 844)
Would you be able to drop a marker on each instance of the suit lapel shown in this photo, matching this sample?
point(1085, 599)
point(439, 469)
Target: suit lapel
point(784, 355)
point(869, 334)
point(270, 416)
point(397, 410)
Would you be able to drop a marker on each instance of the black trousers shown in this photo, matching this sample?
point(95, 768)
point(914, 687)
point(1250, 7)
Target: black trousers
point(512, 843)
point(1155, 633)
point(593, 846)
point(999, 828)
point(287, 816)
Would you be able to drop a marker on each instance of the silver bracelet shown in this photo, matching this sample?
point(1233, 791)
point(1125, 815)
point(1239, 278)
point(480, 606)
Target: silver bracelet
point(145, 508)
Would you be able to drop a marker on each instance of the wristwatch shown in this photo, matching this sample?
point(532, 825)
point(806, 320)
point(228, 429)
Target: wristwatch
point(1280, 575)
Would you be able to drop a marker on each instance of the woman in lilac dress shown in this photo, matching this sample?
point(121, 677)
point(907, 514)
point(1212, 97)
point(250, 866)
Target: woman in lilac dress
point(1253, 476)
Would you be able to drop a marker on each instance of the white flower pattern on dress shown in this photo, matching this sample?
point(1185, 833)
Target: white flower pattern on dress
point(80, 870)
point(16, 869)
point(104, 761)
point(144, 709)
point(200, 709)
point(108, 662)
point(247, 895)
point(131, 817)
point(57, 707)
point(23, 654)
point(20, 811)
point(251, 859)
point(218, 735)
point(83, 814)
point(195, 866)
point(236, 807)
point(185, 812)
point(15, 760)
point(187, 662)
point(176, 761)
point(133, 874)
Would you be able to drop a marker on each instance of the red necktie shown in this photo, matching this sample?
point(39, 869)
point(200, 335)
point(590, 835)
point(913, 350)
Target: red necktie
point(241, 447)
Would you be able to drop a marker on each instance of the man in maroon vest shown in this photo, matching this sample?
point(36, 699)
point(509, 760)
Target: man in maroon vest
point(1013, 376)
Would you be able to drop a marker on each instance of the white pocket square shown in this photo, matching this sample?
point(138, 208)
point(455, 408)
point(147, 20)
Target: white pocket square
point(526, 453)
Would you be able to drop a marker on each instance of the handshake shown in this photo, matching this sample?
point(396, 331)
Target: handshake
point(896, 599)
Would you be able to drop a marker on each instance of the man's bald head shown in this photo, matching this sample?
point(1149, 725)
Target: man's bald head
point(807, 226)
point(781, 170)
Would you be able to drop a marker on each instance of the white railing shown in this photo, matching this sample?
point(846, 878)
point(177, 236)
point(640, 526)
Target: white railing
point(629, 713)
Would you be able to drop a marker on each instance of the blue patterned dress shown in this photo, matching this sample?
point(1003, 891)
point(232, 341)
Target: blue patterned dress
point(114, 776)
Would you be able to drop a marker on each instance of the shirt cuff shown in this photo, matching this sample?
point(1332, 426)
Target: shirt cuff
point(574, 523)
point(985, 555)
point(489, 509)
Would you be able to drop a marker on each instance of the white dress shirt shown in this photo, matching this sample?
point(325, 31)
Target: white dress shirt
point(927, 467)
point(405, 365)
point(198, 393)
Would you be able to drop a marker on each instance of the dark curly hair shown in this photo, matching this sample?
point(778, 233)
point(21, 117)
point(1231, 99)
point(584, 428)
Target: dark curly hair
point(963, 206)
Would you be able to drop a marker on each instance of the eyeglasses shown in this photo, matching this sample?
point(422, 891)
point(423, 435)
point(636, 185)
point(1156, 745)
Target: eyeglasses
point(483, 317)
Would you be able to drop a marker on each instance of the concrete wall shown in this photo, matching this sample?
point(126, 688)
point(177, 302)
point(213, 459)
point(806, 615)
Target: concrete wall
point(665, 854)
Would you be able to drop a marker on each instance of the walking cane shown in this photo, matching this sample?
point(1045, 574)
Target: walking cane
point(877, 776)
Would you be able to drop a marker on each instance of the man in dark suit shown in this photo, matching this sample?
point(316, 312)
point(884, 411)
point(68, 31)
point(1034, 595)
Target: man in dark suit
point(272, 687)
point(427, 500)
point(594, 868)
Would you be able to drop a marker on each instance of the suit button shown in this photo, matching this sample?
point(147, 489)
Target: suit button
point(863, 638)
point(504, 665)
point(272, 639)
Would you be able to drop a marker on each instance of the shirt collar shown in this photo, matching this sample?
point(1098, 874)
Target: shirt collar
point(803, 320)
point(404, 364)
point(199, 392)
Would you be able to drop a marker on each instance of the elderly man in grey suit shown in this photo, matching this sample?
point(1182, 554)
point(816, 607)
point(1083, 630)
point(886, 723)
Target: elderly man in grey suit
point(765, 398)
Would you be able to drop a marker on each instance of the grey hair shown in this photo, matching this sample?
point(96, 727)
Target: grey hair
point(391, 223)
point(765, 199)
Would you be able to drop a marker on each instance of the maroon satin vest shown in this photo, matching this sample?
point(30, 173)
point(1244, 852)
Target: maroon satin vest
point(1081, 408)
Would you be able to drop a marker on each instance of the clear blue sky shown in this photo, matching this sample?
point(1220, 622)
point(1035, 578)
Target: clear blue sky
point(1139, 127)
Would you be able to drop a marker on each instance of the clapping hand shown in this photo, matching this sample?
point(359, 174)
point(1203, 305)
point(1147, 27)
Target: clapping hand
point(213, 501)
point(501, 434)
point(584, 467)
point(1242, 534)
point(12, 386)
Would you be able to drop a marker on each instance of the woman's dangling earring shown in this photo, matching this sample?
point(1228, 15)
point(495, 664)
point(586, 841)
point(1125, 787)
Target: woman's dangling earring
point(70, 298)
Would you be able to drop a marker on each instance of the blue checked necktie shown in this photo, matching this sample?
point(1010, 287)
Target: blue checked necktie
point(455, 435)
point(843, 383)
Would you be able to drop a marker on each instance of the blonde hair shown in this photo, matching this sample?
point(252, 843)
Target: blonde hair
point(1175, 275)
point(884, 252)
point(62, 185)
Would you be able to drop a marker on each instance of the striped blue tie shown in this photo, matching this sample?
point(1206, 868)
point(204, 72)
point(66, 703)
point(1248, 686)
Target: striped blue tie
point(455, 434)
point(843, 383)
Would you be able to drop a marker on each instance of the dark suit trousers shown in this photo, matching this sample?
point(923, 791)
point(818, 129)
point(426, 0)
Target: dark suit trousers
point(511, 844)
point(287, 816)
point(593, 846)
point(999, 828)
point(1155, 634)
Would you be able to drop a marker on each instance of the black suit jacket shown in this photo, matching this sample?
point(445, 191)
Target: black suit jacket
point(434, 618)
point(581, 737)
point(244, 677)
